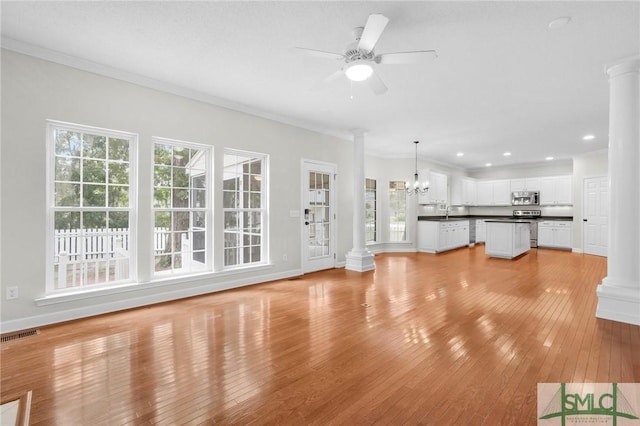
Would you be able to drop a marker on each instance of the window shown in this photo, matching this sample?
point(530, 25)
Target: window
point(244, 208)
point(397, 211)
point(370, 210)
point(181, 173)
point(90, 188)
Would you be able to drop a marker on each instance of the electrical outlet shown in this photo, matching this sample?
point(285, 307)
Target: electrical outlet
point(12, 293)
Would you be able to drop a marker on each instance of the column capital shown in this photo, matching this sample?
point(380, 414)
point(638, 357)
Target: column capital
point(359, 132)
point(626, 65)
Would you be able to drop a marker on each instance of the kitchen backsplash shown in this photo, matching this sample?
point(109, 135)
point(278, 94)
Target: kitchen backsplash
point(433, 210)
point(508, 210)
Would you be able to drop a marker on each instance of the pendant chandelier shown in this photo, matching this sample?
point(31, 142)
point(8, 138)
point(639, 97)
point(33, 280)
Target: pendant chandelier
point(417, 187)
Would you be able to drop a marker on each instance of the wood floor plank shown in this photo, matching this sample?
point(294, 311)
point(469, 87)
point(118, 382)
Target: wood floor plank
point(453, 338)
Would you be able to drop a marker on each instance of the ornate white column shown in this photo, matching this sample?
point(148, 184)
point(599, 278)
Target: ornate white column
point(359, 258)
point(619, 293)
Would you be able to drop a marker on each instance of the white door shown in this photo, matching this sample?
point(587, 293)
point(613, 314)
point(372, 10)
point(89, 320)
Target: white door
point(319, 217)
point(595, 223)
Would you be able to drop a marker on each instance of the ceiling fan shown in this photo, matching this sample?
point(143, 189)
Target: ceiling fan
point(360, 58)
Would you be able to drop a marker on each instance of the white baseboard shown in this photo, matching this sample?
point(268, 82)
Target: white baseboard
point(136, 302)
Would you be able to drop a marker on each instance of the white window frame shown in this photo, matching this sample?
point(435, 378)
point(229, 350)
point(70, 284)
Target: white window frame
point(206, 211)
point(374, 210)
point(264, 210)
point(50, 169)
point(392, 209)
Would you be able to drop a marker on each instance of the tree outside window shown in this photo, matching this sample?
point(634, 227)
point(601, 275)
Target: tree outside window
point(181, 208)
point(90, 191)
point(244, 208)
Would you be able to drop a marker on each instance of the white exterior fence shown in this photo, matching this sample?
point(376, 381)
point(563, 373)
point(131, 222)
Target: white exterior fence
point(98, 243)
point(104, 252)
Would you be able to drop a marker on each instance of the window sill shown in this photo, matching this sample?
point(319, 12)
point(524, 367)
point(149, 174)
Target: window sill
point(87, 293)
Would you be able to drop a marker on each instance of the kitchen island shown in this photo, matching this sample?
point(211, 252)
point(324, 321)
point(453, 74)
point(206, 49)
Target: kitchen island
point(507, 238)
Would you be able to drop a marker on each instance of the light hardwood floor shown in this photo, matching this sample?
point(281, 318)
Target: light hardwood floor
point(449, 339)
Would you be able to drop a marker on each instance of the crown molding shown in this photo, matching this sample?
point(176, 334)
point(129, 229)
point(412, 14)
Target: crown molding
point(163, 86)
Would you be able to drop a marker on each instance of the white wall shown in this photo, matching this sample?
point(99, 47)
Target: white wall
point(35, 90)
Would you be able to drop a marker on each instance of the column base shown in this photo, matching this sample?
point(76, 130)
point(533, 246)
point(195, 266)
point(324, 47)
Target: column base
point(360, 261)
point(617, 303)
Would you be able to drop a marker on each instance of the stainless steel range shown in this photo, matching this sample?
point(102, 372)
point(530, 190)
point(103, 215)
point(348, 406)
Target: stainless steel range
point(533, 224)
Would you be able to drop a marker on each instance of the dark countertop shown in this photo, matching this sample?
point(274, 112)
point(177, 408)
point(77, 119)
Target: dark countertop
point(470, 217)
point(511, 220)
point(443, 219)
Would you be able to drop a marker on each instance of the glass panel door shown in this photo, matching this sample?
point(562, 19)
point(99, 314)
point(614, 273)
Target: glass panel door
point(318, 217)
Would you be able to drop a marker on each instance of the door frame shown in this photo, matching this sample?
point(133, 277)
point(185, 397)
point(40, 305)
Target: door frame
point(333, 218)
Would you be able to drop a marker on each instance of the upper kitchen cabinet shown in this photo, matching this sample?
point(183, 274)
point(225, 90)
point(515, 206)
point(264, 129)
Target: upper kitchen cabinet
point(493, 193)
point(555, 190)
point(463, 191)
point(438, 191)
point(528, 184)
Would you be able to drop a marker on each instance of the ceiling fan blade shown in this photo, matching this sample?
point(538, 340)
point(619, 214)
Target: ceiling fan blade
point(414, 57)
point(372, 31)
point(332, 77)
point(316, 53)
point(376, 84)
point(322, 84)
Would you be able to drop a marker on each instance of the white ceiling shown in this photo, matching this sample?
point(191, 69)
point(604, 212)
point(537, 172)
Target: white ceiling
point(503, 80)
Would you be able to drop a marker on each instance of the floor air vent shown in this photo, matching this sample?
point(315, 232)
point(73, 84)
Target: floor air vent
point(18, 335)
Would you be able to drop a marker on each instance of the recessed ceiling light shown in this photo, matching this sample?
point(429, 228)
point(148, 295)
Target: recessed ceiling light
point(548, 158)
point(588, 137)
point(460, 154)
point(488, 165)
point(559, 22)
point(506, 154)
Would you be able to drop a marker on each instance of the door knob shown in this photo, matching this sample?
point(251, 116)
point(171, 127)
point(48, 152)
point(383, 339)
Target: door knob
point(306, 222)
point(585, 220)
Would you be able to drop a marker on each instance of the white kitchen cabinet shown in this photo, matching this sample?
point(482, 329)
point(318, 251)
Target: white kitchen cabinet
point(555, 234)
point(526, 184)
point(463, 191)
point(469, 192)
point(502, 193)
point(564, 190)
point(445, 237)
point(555, 190)
point(427, 239)
point(437, 236)
point(456, 191)
point(438, 190)
point(507, 239)
point(493, 192)
point(484, 191)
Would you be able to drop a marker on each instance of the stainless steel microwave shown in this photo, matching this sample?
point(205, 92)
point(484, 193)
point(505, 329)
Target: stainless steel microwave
point(525, 198)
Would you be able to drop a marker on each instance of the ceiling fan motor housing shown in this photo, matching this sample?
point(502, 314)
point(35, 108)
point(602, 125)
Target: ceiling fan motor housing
point(353, 53)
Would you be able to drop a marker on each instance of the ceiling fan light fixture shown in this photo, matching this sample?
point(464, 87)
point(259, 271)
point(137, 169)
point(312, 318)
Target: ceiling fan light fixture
point(358, 70)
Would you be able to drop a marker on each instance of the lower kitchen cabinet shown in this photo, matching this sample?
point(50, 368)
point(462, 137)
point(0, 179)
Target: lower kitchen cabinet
point(437, 236)
point(555, 234)
point(507, 239)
